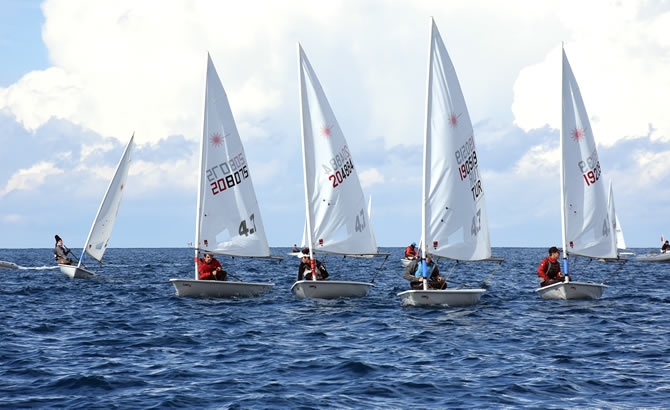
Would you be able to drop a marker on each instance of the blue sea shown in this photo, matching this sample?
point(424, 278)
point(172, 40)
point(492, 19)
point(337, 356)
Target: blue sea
point(125, 340)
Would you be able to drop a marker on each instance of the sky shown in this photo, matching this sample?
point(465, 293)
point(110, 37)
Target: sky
point(78, 78)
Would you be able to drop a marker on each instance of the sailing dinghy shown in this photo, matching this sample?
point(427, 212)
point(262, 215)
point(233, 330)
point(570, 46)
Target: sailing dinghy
point(618, 229)
point(653, 256)
point(228, 218)
point(587, 230)
point(101, 230)
point(337, 217)
point(454, 224)
point(8, 265)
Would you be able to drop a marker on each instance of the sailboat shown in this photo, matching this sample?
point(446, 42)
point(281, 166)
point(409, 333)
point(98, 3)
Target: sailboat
point(454, 223)
point(8, 265)
point(618, 229)
point(335, 208)
point(653, 256)
point(587, 230)
point(228, 219)
point(101, 230)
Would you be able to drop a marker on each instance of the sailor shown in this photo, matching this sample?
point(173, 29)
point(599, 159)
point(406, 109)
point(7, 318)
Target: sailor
point(61, 251)
point(549, 270)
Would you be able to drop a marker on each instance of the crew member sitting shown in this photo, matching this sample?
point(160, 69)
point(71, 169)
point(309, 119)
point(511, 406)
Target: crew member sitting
point(411, 252)
point(549, 270)
point(210, 269)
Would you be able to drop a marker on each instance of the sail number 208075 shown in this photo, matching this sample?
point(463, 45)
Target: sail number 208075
point(227, 174)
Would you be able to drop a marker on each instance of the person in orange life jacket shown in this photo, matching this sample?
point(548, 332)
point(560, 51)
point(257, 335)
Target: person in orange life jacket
point(210, 269)
point(411, 252)
point(549, 270)
point(414, 274)
point(305, 268)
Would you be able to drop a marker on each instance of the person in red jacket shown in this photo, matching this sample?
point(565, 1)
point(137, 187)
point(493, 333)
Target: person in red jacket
point(210, 269)
point(549, 270)
point(411, 252)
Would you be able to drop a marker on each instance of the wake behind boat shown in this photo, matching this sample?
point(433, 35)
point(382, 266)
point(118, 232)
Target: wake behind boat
point(101, 230)
point(336, 217)
point(454, 224)
point(228, 218)
point(588, 228)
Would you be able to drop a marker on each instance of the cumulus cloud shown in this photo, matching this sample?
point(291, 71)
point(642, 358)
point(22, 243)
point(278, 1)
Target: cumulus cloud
point(371, 177)
point(30, 179)
point(611, 57)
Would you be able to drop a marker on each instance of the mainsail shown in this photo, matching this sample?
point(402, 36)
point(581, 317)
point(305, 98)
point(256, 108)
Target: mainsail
point(587, 230)
point(228, 218)
point(454, 221)
point(337, 216)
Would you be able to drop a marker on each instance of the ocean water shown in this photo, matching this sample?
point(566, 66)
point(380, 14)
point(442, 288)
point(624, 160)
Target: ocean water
point(125, 340)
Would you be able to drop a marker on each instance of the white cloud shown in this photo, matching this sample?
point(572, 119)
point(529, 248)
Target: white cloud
point(30, 179)
point(617, 58)
point(371, 177)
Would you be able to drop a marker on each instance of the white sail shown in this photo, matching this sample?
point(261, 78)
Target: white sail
point(374, 241)
point(587, 230)
point(620, 241)
point(101, 230)
point(228, 219)
point(337, 219)
point(454, 211)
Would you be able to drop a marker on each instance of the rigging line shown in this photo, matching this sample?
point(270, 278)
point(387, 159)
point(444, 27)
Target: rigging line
point(379, 269)
point(491, 275)
point(617, 270)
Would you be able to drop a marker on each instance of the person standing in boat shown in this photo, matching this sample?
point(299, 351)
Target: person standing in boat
point(414, 274)
point(411, 252)
point(210, 269)
point(665, 247)
point(61, 251)
point(305, 268)
point(549, 270)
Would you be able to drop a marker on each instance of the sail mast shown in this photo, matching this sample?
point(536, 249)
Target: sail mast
point(201, 171)
point(308, 218)
point(562, 167)
point(426, 152)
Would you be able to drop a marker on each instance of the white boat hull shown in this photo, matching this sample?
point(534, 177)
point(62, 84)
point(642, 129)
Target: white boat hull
point(406, 261)
point(219, 289)
point(76, 272)
point(330, 289)
point(446, 297)
point(653, 257)
point(8, 265)
point(572, 290)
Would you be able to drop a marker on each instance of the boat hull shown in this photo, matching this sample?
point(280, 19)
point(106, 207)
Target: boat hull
point(572, 291)
point(330, 289)
point(76, 272)
point(653, 257)
point(406, 262)
point(219, 289)
point(8, 265)
point(445, 297)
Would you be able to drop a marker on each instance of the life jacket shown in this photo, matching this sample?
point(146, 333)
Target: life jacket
point(553, 268)
point(410, 251)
